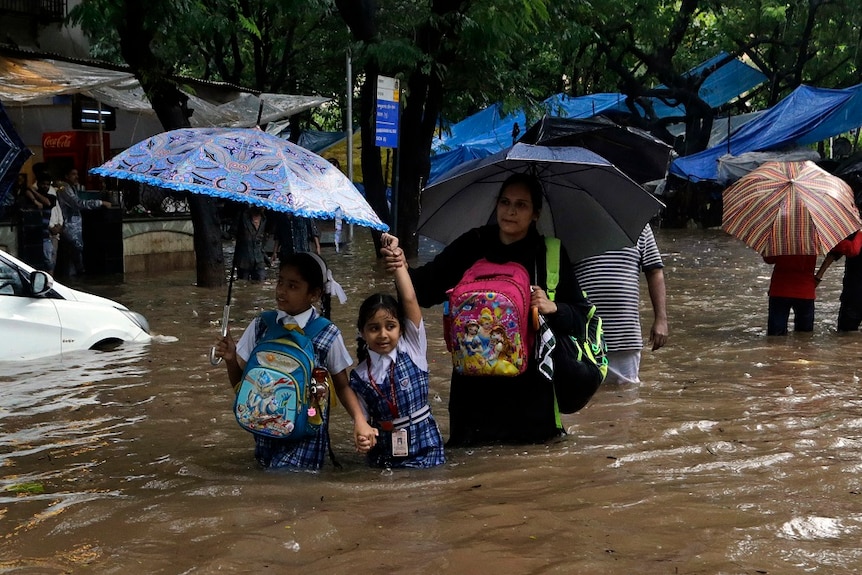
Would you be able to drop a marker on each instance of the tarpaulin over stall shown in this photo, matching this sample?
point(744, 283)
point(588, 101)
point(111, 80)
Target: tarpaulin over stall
point(35, 81)
point(806, 116)
point(490, 130)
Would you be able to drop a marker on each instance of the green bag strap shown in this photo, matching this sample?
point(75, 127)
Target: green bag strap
point(552, 279)
point(552, 261)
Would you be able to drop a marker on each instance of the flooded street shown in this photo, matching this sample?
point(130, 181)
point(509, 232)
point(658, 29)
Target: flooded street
point(738, 454)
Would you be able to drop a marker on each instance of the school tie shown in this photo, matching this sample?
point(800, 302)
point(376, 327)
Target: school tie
point(289, 322)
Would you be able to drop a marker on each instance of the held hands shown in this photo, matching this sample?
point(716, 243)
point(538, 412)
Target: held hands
point(392, 254)
point(539, 300)
point(364, 436)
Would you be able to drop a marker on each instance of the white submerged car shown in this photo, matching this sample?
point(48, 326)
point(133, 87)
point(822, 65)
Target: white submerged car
point(40, 317)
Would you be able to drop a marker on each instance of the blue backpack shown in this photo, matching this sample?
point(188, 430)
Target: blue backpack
point(278, 395)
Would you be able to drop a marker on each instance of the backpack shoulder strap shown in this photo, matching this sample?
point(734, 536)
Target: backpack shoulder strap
point(315, 326)
point(552, 261)
point(266, 324)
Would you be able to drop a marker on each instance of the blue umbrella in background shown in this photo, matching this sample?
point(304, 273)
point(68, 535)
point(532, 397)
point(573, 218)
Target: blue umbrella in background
point(245, 165)
point(13, 154)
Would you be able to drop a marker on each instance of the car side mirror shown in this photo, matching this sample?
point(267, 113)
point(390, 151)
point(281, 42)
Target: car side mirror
point(40, 282)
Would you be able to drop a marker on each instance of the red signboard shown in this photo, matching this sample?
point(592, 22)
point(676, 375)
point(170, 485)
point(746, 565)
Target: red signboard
point(81, 150)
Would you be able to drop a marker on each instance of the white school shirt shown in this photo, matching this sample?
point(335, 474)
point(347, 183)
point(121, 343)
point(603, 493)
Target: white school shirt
point(412, 342)
point(337, 358)
point(56, 212)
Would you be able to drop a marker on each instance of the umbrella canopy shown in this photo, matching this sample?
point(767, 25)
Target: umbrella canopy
point(246, 165)
point(13, 154)
point(589, 204)
point(639, 154)
point(790, 208)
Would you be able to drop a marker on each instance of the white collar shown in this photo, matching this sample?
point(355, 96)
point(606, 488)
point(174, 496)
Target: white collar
point(376, 358)
point(300, 319)
point(380, 365)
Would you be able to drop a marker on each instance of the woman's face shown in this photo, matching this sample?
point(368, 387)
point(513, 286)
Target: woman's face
point(515, 213)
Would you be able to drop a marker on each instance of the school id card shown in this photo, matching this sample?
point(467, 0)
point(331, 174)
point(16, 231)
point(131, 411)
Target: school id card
point(399, 443)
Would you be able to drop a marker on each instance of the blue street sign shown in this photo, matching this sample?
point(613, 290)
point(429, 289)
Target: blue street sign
point(388, 112)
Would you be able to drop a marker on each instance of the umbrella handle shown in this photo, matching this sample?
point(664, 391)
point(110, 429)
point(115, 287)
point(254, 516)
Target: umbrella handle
point(224, 319)
point(534, 315)
point(226, 313)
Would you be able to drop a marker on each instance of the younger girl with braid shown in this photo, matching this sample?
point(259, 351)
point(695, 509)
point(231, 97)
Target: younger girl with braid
point(392, 376)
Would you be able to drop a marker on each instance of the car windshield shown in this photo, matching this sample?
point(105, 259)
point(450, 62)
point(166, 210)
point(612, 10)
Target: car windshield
point(11, 282)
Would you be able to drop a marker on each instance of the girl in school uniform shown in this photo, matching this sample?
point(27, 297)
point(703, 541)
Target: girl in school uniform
point(302, 280)
point(392, 376)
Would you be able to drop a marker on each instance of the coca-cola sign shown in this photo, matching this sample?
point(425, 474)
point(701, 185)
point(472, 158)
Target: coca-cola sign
point(58, 140)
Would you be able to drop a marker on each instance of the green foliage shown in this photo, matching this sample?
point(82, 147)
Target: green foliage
point(513, 51)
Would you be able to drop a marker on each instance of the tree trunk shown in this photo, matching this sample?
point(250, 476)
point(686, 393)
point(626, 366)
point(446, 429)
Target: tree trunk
point(361, 17)
point(420, 117)
point(211, 266)
point(170, 105)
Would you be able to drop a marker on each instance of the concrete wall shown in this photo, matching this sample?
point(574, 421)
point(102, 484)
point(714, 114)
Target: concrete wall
point(158, 245)
point(149, 246)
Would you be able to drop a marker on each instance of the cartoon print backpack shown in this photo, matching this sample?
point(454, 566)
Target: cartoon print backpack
point(487, 320)
point(280, 395)
point(580, 362)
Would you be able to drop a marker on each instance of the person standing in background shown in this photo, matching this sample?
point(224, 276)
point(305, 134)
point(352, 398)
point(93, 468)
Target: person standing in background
point(612, 283)
point(294, 235)
point(850, 311)
point(42, 197)
point(249, 258)
point(15, 197)
point(792, 287)
point(72, 236)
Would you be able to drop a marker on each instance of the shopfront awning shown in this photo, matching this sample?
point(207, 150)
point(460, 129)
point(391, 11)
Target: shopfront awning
point(36, 81)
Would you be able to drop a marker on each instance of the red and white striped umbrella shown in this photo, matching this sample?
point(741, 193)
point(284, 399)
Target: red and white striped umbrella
point(790, 208)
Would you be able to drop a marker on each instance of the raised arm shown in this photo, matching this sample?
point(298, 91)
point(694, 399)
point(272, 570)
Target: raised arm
point(403, 282)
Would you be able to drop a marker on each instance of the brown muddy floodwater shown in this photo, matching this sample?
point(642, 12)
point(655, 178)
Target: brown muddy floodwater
point(737, 455)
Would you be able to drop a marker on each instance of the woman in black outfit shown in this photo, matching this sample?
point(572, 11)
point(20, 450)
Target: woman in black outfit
point(493, 409)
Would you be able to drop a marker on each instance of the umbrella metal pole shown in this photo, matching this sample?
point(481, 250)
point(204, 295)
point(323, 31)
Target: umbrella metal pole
point(225, 318)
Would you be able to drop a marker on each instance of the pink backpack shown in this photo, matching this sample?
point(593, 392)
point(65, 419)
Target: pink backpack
point(487, 320)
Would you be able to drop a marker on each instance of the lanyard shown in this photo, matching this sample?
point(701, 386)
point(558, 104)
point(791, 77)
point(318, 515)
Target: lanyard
point(391, 401)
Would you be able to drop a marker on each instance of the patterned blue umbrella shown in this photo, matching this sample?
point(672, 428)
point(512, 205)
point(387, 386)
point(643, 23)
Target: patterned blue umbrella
point(13, 154)
point(246, 165)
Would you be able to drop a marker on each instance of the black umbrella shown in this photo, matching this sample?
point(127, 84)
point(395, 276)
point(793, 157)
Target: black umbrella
point(591, 205)
point(637, 153)
point(13, 154)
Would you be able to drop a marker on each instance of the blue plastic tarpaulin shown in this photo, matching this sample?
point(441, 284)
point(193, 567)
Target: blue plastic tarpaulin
point(723, 84)
point(489, 130)
point(808, 115)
